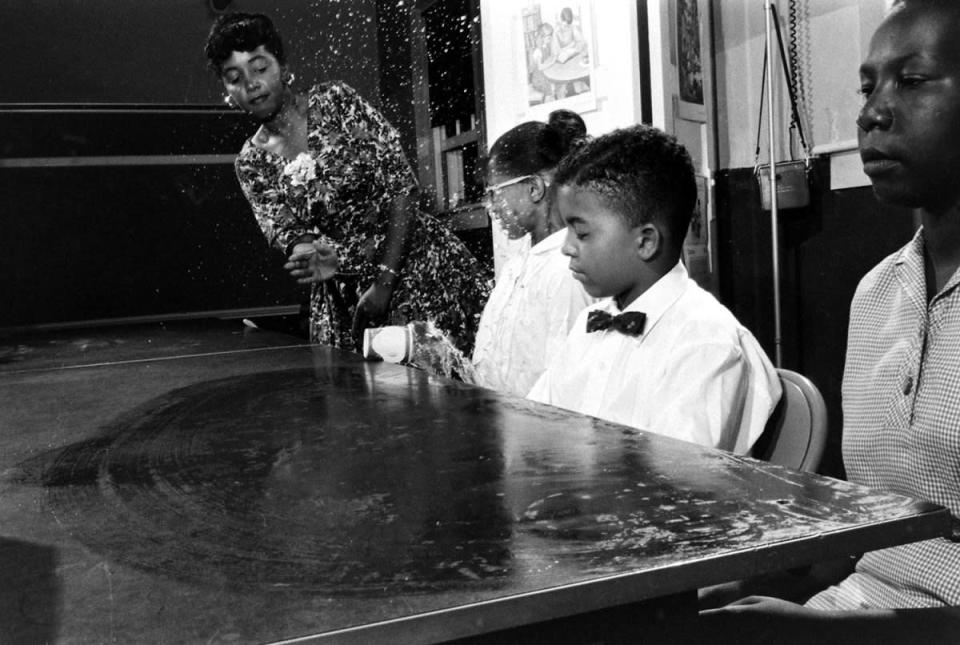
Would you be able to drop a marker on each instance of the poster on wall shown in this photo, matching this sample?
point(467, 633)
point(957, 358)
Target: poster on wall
point(559, 57)
point(691, 26)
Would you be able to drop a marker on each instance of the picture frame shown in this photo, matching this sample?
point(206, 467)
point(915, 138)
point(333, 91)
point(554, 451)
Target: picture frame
point(692, 39)
point(557, 57)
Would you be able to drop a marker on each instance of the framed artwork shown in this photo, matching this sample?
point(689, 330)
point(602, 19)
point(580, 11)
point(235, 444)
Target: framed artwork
point(690, 28)
point(559, 58)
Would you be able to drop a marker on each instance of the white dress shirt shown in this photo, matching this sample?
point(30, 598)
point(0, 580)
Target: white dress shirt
point(530, 310)
point(695, 373)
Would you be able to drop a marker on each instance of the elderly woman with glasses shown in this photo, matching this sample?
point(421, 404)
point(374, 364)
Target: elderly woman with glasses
point(535, 299)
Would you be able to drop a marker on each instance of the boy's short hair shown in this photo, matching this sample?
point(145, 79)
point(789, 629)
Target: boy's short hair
point(642, 173)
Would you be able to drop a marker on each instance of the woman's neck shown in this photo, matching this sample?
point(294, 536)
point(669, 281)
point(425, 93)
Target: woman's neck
point(285, 133)
point(545, 225)
point(941, 239)
point(549, 218)
point(285, 120)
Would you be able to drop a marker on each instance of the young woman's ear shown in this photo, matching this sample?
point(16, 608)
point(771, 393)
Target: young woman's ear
point(538, 188)
point(649, 241)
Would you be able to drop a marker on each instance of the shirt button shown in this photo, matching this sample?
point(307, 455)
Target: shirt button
point(908, 386)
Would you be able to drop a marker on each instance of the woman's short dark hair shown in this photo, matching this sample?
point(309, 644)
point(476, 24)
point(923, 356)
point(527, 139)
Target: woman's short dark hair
point(535, 146)
point(241, 32)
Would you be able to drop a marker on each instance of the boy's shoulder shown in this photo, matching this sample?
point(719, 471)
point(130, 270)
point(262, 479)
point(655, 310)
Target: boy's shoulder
point(701, 319)
point(702, 305)
point(709, 328)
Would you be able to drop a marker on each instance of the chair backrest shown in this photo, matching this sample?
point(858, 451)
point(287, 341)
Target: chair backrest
point(796, 433)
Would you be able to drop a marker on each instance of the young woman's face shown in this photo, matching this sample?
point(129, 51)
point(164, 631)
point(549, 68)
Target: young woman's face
point(254, 81)
point(909, 125)
point(601, 245)
point(509, 203)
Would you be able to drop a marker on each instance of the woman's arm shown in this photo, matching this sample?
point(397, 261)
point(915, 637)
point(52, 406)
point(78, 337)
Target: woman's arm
point(796, 585)
point(402, 210)
point(375, 301)
point(771, 620)
point(373, 136)
point(310, 257)
point(261, 185)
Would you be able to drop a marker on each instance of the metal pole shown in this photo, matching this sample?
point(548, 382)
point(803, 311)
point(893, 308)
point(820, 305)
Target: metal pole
point(774, 212)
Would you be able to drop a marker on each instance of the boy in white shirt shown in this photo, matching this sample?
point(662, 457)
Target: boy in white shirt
point(658, 353)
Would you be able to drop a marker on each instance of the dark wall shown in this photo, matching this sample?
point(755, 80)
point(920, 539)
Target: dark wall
point(157, 226)
point(396, 65)
point(81, 239)
point(151, 51)
point(825, 249)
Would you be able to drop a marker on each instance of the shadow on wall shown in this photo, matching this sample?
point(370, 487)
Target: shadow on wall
point(825, 249)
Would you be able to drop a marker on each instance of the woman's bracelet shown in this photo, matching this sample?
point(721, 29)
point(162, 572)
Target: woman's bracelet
point(306, 238)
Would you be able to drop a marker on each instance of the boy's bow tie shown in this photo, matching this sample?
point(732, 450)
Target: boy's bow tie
point(630, 322)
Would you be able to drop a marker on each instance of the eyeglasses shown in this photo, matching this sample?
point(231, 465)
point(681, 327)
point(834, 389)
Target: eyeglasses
point(491, 191)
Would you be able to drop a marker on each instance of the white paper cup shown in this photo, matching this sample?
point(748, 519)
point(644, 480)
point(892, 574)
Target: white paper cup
point(392, 344)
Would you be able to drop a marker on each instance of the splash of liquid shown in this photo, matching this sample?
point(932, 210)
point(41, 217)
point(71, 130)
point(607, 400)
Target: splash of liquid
point(433, 352)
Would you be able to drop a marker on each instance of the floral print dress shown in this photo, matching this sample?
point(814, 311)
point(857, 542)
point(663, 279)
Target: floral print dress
point(342, 193)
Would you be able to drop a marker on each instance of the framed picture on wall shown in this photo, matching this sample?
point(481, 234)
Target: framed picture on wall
point(558, 56)
point(691, 30)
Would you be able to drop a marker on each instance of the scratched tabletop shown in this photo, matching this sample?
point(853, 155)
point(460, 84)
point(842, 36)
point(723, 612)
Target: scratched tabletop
point(216, 484)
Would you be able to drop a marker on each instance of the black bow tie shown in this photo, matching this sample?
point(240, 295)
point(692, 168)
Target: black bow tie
point(630, 323)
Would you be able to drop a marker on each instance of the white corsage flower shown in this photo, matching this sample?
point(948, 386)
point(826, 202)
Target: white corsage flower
point(301, 170)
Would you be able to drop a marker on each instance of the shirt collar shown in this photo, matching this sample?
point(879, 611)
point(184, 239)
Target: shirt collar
point(656, 300)
point(912, 253)
point(550, 243)
point(910, 264)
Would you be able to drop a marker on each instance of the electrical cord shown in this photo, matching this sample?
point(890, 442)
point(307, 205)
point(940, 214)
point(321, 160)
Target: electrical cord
point(796, 66)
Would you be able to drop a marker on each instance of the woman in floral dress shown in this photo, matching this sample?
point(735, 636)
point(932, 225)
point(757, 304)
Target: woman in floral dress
point(328, 182)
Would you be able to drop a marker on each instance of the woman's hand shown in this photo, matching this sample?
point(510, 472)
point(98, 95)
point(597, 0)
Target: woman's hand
point(761, 619)
point(312, 262)
point(372, 308)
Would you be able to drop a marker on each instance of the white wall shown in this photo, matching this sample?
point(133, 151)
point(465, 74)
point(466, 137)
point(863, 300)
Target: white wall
point(616, 81)
point(833, 37)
